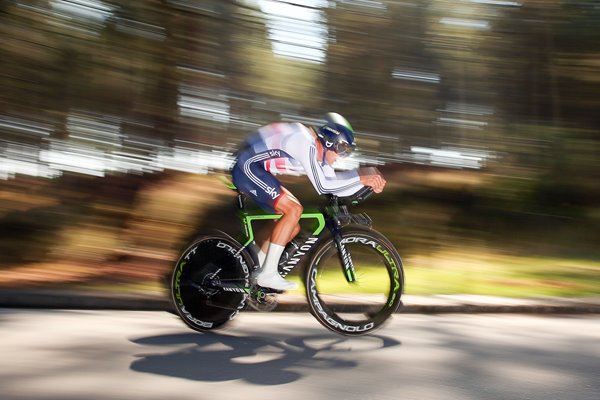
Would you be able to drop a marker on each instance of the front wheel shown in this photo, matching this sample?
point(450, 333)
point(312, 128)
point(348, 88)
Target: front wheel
point(361, 306)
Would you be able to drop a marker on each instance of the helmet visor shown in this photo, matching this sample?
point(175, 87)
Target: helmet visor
point(343, 149)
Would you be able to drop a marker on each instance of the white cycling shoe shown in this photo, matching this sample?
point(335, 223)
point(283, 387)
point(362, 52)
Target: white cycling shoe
point(275, 281)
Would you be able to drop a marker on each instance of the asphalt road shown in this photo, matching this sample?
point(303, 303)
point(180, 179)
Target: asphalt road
point(57, 354)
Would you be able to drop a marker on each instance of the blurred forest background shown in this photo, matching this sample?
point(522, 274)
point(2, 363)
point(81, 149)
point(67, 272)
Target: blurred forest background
point(117, 117)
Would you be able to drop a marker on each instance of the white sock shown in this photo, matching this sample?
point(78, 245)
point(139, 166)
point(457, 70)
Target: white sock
point(269, 276)
point(261, 257)
point(272, 259)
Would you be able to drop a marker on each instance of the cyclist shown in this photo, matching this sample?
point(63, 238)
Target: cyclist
point(287, 148)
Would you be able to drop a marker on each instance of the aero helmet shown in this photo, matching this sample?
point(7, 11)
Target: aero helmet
point(337, 134)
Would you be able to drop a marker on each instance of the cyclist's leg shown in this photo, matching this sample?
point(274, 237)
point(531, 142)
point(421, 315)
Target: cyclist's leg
point(251, 178)
point(285, 229)
point(263, 238)
point(288, 226)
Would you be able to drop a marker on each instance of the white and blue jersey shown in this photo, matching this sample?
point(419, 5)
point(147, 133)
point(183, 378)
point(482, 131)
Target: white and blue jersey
point(286, 148)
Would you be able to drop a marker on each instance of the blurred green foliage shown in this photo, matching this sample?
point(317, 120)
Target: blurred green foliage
point(515, 82)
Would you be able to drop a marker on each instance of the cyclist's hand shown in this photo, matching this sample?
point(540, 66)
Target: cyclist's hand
point(371, 176)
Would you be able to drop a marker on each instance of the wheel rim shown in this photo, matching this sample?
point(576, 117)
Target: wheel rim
point(197, 300)
point(363, 304)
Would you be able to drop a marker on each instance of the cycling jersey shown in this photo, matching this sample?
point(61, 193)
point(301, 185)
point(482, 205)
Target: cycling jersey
point(286, 148)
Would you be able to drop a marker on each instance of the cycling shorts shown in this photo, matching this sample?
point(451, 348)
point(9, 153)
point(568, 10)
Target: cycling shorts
point(251, 178)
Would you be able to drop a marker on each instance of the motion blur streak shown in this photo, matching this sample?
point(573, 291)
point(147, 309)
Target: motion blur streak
point(116, 115)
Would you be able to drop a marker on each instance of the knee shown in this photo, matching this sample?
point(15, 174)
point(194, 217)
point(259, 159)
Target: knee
point(290, 207)
point(293, 210)
point(296, 211)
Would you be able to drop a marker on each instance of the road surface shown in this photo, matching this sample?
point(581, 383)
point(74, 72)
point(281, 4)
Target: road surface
point(61, 354)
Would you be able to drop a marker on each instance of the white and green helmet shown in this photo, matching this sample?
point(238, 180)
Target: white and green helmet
point(337, 134)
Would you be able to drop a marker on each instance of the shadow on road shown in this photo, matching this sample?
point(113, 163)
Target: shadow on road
point(220, 357)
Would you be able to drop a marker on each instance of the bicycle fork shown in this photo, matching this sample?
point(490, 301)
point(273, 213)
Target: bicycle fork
point(343, 253)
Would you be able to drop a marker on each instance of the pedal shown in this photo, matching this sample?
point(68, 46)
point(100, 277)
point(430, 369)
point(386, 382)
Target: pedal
point(263, 299)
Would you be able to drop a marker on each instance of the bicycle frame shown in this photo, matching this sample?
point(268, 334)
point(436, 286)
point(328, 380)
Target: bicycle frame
point(247, 219)
point(327, 219)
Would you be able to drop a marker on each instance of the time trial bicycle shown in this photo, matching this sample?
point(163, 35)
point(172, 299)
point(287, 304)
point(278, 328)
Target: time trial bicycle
point(352, 274)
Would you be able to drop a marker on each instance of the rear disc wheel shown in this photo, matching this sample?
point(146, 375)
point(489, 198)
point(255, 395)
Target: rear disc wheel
point(196, 285)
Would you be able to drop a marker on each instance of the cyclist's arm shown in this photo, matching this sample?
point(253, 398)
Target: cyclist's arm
point(370, 176)
point(304, 151)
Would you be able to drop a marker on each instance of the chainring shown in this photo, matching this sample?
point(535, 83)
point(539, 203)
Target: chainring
point(263, 299)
